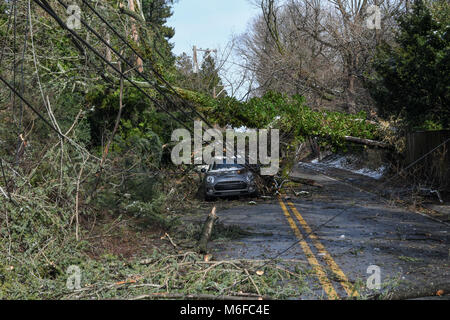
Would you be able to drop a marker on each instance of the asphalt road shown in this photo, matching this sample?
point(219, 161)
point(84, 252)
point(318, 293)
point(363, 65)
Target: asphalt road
point(341, 231)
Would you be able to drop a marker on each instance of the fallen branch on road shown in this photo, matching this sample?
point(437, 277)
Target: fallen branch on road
point(207, 231)
point(164, 276)
point(165, 295)
point(416, 293)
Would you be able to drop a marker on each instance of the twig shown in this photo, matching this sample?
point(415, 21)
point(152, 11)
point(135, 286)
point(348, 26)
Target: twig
point(7, 194)
point(253, 282)
point(4, 193)
point(216, 264)
point(170, 239)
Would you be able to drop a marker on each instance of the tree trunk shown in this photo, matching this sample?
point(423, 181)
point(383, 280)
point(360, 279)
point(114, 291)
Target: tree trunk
point(135, 36)
point(350, 93)
point(350, 89)
point(108, 50)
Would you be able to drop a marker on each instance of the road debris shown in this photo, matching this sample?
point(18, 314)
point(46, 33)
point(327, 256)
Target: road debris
point(301, 193)
point(207, 231)
point(167, 236)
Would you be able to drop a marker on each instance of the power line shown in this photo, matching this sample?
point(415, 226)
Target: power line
point(377, 196)
point(31, 107)
point(124, 59)
point(12, 88)
point(40, 116)
point(416, 161)
point(140, 56)
point(279, 254)
point(134, 51)
point(47, 8)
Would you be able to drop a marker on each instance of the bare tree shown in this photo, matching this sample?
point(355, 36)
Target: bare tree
point(318, 48)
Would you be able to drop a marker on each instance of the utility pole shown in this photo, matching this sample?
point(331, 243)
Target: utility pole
point(218, 94)
point(197, 69)
point(195, 57)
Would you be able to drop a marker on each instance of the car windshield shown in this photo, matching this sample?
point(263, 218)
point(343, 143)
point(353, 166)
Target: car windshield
point(227, 166)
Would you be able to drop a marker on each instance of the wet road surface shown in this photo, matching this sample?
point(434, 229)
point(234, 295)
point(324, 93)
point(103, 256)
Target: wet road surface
point(340, 231)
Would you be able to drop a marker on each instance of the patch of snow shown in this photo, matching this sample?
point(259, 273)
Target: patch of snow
point(345, 163)
point(376, 174)
point(242, 129)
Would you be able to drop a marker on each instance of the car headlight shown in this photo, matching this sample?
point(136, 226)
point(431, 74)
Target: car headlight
point(210, 179)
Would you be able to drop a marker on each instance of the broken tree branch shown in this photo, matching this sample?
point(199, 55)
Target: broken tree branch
point(367, 142)
point(431, 290)
point(166, 235)
point(132, 14)
point(166, 295)
point(207, 231)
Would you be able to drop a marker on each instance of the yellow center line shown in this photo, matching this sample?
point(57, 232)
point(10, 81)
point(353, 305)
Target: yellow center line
point(351, 292)
point(324, 281)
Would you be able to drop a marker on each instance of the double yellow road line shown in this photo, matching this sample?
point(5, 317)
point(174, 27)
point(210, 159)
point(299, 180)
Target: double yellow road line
point(319, 270)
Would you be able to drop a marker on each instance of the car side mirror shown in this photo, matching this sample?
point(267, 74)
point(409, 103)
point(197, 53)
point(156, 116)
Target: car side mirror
point(203, 170)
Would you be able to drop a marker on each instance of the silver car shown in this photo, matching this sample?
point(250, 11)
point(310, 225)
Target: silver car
point(228, 180)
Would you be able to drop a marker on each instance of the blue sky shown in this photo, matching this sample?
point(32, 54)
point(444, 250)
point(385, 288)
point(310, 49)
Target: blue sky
point(208, 23)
